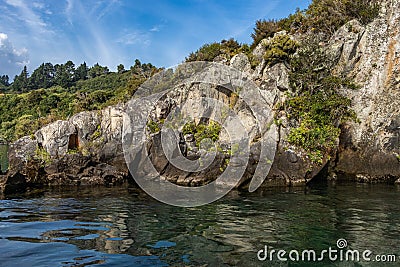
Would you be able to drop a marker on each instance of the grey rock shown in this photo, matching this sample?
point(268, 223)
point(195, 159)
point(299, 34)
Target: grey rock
point(56, 137)
point(371, 57)
point(241, 62)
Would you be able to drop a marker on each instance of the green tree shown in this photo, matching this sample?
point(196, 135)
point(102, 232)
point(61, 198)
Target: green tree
point(64, 74)
point(4, 80)
point(21, 82)
point(315, 104)
point(81, 72)
point(145, 70)
point(120, 68)
point(205, 53)
point(97, 70)
point(42, 77)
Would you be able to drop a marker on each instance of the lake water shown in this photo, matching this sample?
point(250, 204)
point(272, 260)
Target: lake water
point(124, 227)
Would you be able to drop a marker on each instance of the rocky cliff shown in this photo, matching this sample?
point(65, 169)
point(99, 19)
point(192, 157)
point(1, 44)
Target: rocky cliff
point(87, 148)
point(369, 150)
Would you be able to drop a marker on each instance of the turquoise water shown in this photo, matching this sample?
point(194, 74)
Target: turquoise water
point(125, 227)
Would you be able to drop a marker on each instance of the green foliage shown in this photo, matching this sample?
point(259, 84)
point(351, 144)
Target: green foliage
point(23, 124)
point(42, 77)
point(4, 80)
point(97, 70)
point(21, 81)
point(81, 72)
point(64, 74)
point(120, 68)
point(328, 15)
point(316, 104)
point(280, 49)
point(72, 151)
point(264, 29)
point(24, 113)
point(294, 23)
point(189, 128)
point(96, 133)
point(322, 16)
point(153, 126)
point(267, 28)
point(246, 49)
point(205, 53)
point(203, 131)
point(42, 155)
point(209, 52)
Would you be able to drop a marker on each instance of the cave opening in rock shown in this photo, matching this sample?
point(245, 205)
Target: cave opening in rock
point(73, 142)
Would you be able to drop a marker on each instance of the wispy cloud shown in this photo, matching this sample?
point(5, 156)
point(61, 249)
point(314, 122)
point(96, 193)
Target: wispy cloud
point(135, 37)
point(68, 11)
point(156, 28)
point(38, 5)
point(29, 16)
point(89, 33)
point(10, 57)
point(111, 4)
point(42, 7)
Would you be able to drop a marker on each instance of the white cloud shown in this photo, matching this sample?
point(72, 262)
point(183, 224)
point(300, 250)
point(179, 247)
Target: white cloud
point(155, 29)
point(134, 38)
point(38, 5)
point(12, 59)
point(42, 7)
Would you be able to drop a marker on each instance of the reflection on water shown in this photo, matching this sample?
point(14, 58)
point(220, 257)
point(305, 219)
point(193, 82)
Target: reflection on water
point(124, 227)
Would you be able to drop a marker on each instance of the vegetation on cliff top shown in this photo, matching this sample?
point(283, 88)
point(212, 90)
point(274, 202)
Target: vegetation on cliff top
point(321, 17)
point(24, 108)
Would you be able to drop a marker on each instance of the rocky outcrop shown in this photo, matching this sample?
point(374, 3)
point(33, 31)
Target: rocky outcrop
point(84, 150)
point(369, 150)
point(88, 149)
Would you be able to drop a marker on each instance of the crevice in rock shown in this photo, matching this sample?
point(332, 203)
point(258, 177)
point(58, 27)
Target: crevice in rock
point(321, 177)
point(162, 172)
point(73, 142)
point(355, 47)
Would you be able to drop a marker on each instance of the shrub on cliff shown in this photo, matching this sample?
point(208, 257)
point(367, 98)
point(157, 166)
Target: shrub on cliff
point(328, 15)
point(322, 16)
point(203, 131)
point(209, 52)
point(280, 49)
point(264, 29)
point(315, 103)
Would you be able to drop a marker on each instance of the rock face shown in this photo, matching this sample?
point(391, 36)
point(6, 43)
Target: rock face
point(87, 148)
point(369, 150)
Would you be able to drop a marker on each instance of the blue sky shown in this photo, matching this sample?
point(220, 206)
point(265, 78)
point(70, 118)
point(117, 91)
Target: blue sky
point(119, 31)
